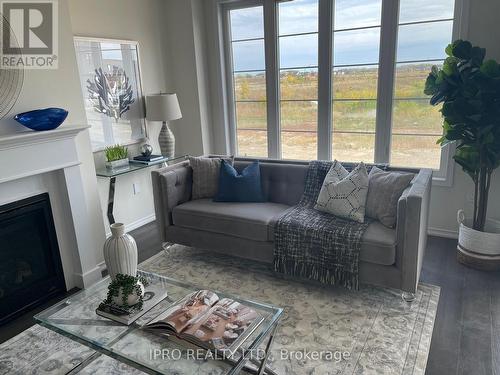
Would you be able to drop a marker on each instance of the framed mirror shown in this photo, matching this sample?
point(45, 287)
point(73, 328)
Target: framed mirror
point(111, 85)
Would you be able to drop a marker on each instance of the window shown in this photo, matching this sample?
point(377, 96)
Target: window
point(249, 80)
point(425, 26)
point(336, 78)
point(298, 78)
point(356, 49)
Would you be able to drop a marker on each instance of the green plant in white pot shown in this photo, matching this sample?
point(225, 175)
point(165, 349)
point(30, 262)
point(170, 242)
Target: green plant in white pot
point(116, 156)
point(469, 89)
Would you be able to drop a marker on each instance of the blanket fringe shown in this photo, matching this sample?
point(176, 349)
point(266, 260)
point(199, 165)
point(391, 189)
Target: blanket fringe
point(331, 276)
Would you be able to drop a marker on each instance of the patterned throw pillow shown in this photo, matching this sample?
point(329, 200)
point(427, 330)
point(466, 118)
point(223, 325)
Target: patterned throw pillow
point(343, 194)
point(206, 175)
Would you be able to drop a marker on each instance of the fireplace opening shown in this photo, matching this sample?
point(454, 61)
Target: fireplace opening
point(30, 263)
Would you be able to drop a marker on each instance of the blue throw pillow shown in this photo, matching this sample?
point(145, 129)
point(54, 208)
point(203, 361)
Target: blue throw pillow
point(244, 187)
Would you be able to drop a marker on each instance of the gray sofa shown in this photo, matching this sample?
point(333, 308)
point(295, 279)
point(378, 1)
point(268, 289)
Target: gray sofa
point(389, 257)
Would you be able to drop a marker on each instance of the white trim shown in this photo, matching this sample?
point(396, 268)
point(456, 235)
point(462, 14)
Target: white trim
point(445, 233)
point(222, 134)
point(31, 137)
point(88, 278)
point(444, 176)
point(38, 152)
point(271, 46)
point(135, 224)
point(325, 62)
point(54, 167)
point(385, 84)
point(228, 84)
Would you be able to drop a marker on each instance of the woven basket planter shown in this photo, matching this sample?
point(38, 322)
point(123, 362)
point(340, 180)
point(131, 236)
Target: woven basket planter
point(480, 250)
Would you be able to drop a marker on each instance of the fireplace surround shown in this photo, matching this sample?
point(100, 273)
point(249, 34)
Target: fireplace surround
point(30, 262)
point(59, 162)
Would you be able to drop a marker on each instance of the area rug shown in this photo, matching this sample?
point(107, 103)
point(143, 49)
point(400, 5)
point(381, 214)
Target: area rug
point(373, 329)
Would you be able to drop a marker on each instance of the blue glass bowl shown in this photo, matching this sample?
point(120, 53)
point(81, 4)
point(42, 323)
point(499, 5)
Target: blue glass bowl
point(42, 119)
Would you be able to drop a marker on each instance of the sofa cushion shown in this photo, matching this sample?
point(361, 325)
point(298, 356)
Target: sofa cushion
point(247, 220)
point(255, 221)
point(378, 244)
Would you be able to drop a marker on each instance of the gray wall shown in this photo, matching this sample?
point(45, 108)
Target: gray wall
point(141, 21)
point(186, 38)
point(170, 35)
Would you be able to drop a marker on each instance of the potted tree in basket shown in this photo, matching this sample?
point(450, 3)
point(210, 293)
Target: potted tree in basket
point(469, 89)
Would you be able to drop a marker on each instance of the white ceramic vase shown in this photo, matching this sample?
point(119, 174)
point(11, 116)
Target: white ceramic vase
point(120, 252)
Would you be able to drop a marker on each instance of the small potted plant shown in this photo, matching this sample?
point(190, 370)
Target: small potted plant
point(116, 156)
point(469, 89)
point(126, 291)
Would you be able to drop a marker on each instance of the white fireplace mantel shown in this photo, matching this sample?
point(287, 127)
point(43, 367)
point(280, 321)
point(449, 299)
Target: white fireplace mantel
point(28, 153)
point(31, 153)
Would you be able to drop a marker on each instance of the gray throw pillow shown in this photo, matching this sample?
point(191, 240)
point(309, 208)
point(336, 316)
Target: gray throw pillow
point(343, 194)
point(206, 175)
point(384, 191)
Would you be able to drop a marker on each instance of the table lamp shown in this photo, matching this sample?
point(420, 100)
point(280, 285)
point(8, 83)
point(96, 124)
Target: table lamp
point(165, 108)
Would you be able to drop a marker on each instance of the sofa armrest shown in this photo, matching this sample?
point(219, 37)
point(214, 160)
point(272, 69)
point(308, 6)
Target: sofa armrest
point(171, 187)
point(412, 223)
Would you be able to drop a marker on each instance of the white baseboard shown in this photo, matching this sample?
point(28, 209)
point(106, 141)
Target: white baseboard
point(135, 224)
point(446, 233)
point(88, 278)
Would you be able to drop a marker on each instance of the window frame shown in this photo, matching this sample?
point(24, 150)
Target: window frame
point(385, 88)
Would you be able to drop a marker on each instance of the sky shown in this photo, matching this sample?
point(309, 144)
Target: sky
point(415, 42)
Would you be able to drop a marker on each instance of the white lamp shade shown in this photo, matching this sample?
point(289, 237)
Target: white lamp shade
point(162, 107)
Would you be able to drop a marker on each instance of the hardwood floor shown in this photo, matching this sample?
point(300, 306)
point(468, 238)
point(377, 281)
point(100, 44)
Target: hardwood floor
point(466, 337)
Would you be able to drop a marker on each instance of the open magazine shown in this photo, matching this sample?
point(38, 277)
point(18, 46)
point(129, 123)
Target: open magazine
point(201, 318)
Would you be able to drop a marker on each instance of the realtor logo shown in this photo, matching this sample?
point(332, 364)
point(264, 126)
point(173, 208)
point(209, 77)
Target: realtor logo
point(29, 34)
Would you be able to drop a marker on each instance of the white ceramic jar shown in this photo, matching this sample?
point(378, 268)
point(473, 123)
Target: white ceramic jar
point(120, 252)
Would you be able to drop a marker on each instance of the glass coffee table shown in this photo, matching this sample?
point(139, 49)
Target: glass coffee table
point(75, 318)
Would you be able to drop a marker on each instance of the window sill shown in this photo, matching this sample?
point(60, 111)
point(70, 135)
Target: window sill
point(440, 181)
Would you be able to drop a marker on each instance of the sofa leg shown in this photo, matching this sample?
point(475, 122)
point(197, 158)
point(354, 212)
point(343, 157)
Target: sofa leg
point(408, 297)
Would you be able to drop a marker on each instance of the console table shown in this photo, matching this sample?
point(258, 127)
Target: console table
point(112, 174)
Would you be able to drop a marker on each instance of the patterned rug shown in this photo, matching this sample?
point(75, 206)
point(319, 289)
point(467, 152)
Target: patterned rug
point(380, 333)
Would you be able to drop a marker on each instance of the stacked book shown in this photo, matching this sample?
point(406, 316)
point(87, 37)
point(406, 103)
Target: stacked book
point(148, 160)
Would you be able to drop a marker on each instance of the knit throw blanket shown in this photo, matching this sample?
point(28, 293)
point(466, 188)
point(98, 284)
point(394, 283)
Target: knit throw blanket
point(316, 245)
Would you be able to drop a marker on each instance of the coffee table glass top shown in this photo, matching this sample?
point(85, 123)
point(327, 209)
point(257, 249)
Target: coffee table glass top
point(76, 319)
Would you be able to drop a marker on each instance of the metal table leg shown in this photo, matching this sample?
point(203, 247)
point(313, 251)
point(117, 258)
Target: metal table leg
point(167, 246)
point(111, 199)
point(87, 361)
point(263, 367)
point(260, 365)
